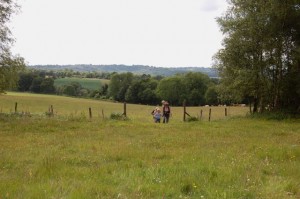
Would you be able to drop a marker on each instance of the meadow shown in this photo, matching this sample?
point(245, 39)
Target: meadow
point(89, 83)
point(72, 156)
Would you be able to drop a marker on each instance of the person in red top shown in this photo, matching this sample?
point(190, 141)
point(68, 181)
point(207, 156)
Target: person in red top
point(166, 111)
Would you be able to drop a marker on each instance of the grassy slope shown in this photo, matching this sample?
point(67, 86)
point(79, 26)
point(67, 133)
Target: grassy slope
point(72, 157)
point(66, 106)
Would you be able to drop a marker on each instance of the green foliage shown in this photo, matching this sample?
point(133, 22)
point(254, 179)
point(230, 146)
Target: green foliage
point(9, 65)
point(142, 91)
point(260, 59)
point(196, 85)
point(192, 119)
point(47, 85)
point(211, 96)
point(36, 85)
point(25, 81)
point(118, 116)
point(119, 85)
point(9, 68)
point(191, 87)
point(172, 89)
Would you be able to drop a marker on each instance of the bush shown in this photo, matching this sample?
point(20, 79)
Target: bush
point(118, 116)
point(192, 119)
point(272, 116)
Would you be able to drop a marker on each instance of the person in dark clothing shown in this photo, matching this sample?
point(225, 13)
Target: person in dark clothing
point(166, 111)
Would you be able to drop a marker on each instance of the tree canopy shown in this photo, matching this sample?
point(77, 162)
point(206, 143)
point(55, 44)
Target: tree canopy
point(260, 60)
point(9, 64)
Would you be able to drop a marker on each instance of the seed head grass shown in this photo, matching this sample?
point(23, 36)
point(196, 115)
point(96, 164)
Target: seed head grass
point(78, 157)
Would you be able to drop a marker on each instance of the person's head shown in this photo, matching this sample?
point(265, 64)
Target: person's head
point(163, 102)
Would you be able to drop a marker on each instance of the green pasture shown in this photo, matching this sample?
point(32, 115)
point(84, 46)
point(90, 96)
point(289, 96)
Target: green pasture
point(72, 156)
point(66, 106)
point(89, 83)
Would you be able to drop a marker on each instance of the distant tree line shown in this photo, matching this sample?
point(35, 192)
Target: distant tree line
point(195, 88)
point(135, 69)
point(41, 81)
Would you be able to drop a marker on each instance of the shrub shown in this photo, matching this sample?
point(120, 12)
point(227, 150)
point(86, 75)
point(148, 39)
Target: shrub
point(192, 119)
point(118, 116)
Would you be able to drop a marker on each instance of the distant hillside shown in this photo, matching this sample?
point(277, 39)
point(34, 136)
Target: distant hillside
point(136, 69)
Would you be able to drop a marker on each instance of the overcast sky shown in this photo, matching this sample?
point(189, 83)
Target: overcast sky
point(166, 33)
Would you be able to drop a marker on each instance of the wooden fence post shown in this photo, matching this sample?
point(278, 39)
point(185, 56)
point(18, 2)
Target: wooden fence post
point(184, 110)
point(201, 112)
point(16, 107)
point(90, 112)
point(225, 112)
point(124, 113)
point(52, 113)
point(102, 113)
point(209, 114)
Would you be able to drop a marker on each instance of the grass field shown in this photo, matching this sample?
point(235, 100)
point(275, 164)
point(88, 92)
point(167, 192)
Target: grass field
point(70, 156)
point(89, 83)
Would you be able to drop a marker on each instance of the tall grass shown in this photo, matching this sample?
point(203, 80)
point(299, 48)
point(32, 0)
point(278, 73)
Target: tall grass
point(64, 157)
point(39, 104)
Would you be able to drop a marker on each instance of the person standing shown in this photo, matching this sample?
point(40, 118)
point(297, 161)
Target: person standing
point(166, 111)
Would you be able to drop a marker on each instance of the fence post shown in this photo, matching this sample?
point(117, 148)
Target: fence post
point(90, 112)
point(184, 110)
point(201, 112)
point(102, 113)
point(225, 112)
point(209, 115)
point(16, 107)
point(51, 110)
point(124, 113)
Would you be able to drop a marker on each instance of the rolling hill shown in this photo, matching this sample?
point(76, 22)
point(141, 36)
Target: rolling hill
point(136, 69)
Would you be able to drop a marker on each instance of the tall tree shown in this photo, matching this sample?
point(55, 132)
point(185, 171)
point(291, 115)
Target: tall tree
point(196, 85)
point(172, 89)
point(25, 81)
point(119, 84)
point(9, 64)
point(142, 91)
point(260, 58)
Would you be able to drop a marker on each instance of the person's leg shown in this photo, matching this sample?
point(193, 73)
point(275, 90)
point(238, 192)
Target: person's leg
point(167, 118)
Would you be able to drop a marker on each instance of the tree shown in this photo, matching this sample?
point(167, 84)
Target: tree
point(36, 85)
point(172, 89)
point(119, 84)
point(69, 90)
point(25, 81)
point(260, 58)
point(142, 91)
point(211, 96)
point(47, 85)
point(9, 64)
point(196, 85)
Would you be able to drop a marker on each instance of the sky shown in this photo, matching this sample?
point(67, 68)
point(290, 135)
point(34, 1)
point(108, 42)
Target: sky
point(161, 33)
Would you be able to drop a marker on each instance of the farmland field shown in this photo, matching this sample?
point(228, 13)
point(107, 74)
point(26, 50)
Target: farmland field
point(89, 83)
point(72, 156)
